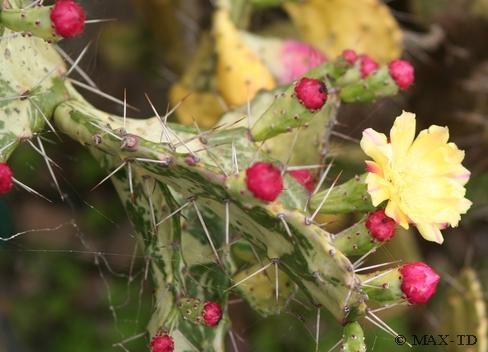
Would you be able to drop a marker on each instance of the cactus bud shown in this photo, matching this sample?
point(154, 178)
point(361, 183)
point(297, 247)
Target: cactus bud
point(162, 343)
point(402, 72)
point(311, 93)
point(68, 18)
point(6, 177)
point(305, 178)
point(212, 313)
point(419, 282)
point(264, 181)
point(350, 56)
point(368, 66)
point(380, 226)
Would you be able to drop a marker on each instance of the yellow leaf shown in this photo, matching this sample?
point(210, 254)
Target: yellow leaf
point(366, 26)
point(240, 72)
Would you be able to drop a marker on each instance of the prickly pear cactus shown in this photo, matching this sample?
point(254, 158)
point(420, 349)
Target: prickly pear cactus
point(465, 306)
point(203, 200)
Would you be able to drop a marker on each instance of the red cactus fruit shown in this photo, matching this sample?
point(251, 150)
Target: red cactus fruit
point(380, 225)
point(6, 178)
point(402, 72)
point(212, 313)
point(311, 92)
point(368, 66)
point(304, 177)
point(419, 282)
point(298, 58)
point(350, 56)
point(68, 18)
point(162, 343)
point(264, 181)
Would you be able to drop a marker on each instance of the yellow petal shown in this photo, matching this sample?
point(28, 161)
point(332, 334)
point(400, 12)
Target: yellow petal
point(376, 146)
point(393, 211)
point(431, 232)
point(377, 189)
point(402, 134)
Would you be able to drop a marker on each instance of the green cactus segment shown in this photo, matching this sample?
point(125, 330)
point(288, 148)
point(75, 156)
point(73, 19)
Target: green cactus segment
point(355, 240)
point(286, 112)
point(378, 84)
point(31, 86)
point(353, 338)
point(172, 277)
point(260, 290)
point(307, 256)
point(34, 21)
point(191, 309)
point(351, 196)
point(465, 311)
point(383, 286)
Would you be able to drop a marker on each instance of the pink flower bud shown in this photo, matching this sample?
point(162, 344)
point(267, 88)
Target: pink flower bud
point(402, 72)
point(6, 178)
point(350, 56)
point(304, 177)
point(311, 93)
point(419, 282)
point(380, 226)
point(368, 66)
point(264, 181)
point(212, 313)
point(68, 18)
point(162, 343)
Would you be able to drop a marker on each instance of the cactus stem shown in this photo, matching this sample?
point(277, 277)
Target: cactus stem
point(250, 276)
point(207, 233)
point(174, 213)
point(109, 176)
point(30, 190)
point(51, 127)
point(310, 219)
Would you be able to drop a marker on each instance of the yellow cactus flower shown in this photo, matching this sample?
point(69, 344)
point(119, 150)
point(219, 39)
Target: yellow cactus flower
point(421, 178)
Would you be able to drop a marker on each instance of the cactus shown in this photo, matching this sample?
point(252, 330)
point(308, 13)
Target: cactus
point(466, 309)
point(190, 194)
